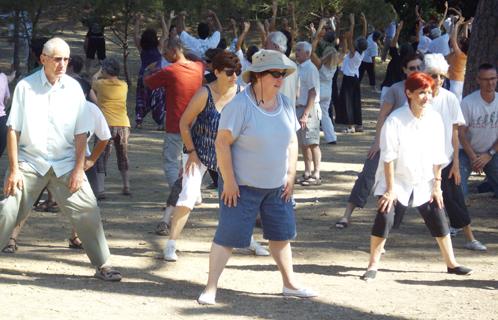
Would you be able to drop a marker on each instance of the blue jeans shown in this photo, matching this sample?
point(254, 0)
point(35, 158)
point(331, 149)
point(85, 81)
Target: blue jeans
point(172, 157)
point(490, 169)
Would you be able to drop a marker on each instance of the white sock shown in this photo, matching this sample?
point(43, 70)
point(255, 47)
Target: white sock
point(171, 243)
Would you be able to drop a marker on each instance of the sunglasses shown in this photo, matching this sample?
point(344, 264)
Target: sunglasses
point(276, 74)
point(230, 72)
point(58, 59)
point(413, 68)
point(437, 76)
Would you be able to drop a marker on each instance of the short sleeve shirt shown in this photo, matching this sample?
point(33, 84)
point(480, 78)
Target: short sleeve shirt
point(396, 95)
point(111, 95)
point(309, 78)
point(99, 125)
point(448, 107)
point(372, 50)
point(415, 145)
point(261, 140)
point(199, 46)
point(440, 45)
point(351, 65)
point(47, 118)
point(290, 86)
point(482, 121)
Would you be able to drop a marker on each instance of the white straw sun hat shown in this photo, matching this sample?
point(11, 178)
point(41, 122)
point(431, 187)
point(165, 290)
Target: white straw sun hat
point(266, 60)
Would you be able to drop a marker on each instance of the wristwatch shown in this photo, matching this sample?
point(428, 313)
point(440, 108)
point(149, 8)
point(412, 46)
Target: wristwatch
point(492, 152)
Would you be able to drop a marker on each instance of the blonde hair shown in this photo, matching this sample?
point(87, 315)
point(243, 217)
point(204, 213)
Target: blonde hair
point(330, 57)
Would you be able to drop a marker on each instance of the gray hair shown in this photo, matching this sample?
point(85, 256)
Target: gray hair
point(278, 39)
point(55, 43)
point(111, 66)
point(306, 46)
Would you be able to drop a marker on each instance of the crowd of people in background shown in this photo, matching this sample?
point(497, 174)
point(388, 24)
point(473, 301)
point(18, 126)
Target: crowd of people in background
point(242, 113)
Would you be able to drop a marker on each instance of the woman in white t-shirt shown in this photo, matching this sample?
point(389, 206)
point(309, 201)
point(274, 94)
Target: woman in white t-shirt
point(412, 153)
point(327, 66)
point(348, 110)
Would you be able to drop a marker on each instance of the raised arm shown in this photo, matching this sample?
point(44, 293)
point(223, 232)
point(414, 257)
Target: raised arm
point(233, 25)
point(242, 37)
point(454, 36)
point(349, 36)
point(364, 24)
point(180, 22)
point(394, 42)
point(216, 22)
point(165, 25)
point(273, 20)
point(444, 14)
point(314, 43)
point(262, 32)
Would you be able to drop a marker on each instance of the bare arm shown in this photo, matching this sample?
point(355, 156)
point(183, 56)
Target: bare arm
point(318, 35)
point(223, 143)
point(385, 202)
point(180, 22)
point(242, 37)
point(309, 106)
point(364, 24)
point(440, 23)
point(291, 168)
point(349, 36)
point(455, 168)
point(262, 32)
point(76, 177)
point(273, 20)
point(437, 194)
point(454, 36)
point(394, 42)
point(165, 25)
point(217, 24)
point(96, 152)
point(14, 179)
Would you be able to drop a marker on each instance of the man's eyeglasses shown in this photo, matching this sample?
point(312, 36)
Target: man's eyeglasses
point(276, 74)
point(414, 68)
point(58, 59)
point(230, 72)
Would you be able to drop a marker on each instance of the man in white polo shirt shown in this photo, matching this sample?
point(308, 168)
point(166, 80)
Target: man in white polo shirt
point(47, 130)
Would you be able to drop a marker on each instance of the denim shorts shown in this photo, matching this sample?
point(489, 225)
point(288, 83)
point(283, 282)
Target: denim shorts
point(236, 224)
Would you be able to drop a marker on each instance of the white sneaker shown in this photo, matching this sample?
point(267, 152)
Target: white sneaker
point(198, 201)
point(207, 299)
point(475, 245)
point(170, 253)
point(258, 249)
point(300, 293)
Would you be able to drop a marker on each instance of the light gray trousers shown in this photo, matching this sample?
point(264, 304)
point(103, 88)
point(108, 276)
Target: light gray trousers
point(81, 208)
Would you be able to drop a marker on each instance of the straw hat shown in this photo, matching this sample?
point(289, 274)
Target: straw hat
point(266, 60)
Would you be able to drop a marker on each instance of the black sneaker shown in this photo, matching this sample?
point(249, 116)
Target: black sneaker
point(460, 270)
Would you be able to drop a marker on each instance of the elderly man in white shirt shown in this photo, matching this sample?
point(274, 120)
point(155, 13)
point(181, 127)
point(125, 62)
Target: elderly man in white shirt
point(309, 113)
point(47, 130)
point(412, 152)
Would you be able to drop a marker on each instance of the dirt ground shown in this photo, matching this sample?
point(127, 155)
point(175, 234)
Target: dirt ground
point(46, 280)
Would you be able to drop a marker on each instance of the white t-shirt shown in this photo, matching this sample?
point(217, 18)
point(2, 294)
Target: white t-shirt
point(482, 121)
point(350, 66)
point(372, 50)
point(440, 45)
point(199, 46)
point(289, 87)
point(326, 77)
point(448, 107)
point(309, 78)
point(99, 125)
point(415, 145)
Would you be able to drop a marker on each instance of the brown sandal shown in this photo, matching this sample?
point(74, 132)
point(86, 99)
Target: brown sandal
point(10, 248)
point(73, 244)
point(108, 274)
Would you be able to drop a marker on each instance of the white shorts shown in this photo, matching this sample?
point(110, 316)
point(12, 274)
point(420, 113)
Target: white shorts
point(191, 185)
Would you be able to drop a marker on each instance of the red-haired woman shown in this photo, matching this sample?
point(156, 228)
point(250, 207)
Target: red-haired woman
point(412, 152)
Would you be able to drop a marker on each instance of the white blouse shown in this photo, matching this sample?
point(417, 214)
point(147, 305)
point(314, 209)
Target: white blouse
point(415, 145)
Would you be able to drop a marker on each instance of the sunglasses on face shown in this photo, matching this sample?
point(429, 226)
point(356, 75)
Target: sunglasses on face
point(276, 74)
point(413, 68)
point(437, 76)
point(230, 72)
point(58, 59)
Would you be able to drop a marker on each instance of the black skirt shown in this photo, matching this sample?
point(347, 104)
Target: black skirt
point(348, 110)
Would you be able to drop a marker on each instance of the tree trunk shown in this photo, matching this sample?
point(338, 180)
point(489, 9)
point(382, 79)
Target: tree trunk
point(126, 52)
point(15, 39)
point(483, 42)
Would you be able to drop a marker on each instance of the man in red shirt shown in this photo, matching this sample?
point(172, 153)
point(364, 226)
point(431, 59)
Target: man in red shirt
point(180, 80)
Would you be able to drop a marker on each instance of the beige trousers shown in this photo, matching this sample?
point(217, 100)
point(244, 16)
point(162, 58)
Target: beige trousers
point(81, 208)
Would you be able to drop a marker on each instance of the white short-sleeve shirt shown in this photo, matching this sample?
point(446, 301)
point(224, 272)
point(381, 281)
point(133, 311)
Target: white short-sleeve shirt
point(99, 125)
point(372, 50)
point(351, 65)
point(290, 86)
point(415, 145)
point(448, 107)
point(440, 45)
point(309, 78)
point(199, 46)
point(48, 117)
point(482, 121)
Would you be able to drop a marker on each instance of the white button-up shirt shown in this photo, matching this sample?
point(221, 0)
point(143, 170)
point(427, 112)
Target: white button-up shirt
point(199, 46)
point(309, 78)
point(415, 145)
point(47, 118)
